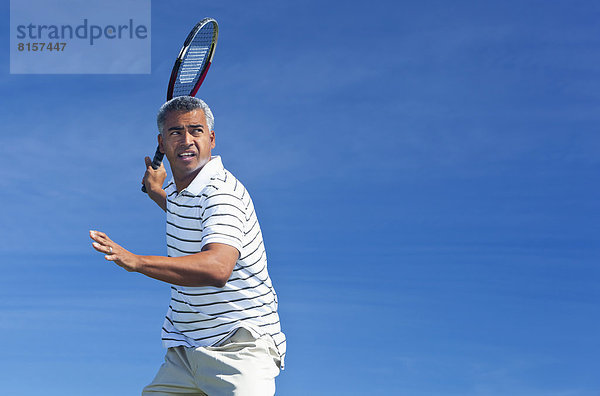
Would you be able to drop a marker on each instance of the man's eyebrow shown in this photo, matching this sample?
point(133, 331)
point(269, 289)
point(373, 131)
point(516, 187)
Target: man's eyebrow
point(179, 127)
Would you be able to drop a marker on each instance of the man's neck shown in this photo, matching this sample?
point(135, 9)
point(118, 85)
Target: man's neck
point(183, 182)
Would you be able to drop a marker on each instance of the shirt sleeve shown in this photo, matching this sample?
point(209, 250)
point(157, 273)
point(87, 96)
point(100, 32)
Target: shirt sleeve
point(223, 219)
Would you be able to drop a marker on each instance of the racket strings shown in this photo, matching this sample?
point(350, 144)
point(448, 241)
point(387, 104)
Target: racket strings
point(194, 61)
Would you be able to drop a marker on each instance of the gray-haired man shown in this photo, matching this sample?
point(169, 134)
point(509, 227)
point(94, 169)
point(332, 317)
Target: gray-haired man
point(222, 330)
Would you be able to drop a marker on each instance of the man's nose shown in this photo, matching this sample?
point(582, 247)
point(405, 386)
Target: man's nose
point(187, 137)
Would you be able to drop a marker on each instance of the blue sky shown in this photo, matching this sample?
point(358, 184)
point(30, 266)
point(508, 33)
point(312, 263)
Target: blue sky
point(425, 174)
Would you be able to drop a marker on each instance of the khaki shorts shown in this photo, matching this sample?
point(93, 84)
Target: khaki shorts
point(242, 365)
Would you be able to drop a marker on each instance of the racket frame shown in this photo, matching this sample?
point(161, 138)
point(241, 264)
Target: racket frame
point(183, 52)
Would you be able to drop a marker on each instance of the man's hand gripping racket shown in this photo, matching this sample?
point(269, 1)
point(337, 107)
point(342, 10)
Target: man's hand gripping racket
point(191, 67)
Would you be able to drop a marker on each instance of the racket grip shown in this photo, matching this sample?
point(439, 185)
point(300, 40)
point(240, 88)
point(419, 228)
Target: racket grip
point(156, 161)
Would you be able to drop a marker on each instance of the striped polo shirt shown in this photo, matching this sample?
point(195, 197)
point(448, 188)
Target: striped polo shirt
point(216, 208)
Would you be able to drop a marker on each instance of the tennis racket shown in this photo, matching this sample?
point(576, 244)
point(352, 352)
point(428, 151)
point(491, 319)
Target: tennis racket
point(191, 66)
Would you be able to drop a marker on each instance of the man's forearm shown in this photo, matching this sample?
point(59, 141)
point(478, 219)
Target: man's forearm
point(160, 197)
point(211, 267)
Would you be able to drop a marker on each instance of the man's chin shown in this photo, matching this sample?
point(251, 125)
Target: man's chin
point(187, 170)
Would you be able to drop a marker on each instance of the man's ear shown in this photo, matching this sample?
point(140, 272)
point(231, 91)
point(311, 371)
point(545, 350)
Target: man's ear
point(212, 139)
point(160, 144)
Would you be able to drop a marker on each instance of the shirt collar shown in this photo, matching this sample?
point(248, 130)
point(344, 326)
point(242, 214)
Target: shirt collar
point(212, 168)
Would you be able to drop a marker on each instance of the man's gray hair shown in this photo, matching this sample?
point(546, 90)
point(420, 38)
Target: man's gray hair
point(184, 104)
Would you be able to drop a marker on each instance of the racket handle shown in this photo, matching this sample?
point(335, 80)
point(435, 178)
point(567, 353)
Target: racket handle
point(156, 161)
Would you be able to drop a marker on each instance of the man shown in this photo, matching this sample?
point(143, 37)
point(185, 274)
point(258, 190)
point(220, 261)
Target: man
point(221, 330)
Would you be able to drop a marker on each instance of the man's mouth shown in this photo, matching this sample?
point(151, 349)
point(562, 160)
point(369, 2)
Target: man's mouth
point(186, 155)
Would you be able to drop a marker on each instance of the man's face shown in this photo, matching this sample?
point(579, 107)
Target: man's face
point(187, 143)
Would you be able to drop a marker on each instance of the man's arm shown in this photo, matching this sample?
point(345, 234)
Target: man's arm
point(211, 267)
point(153, 180)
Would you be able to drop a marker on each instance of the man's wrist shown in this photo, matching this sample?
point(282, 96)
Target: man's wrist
point(137, 264)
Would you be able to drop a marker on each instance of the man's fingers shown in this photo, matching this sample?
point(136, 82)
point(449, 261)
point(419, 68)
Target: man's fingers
point(103, 244)
point(148, 168)
point(97, 236)
point(112, 251)
point(100, 237)
point(102, 248)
